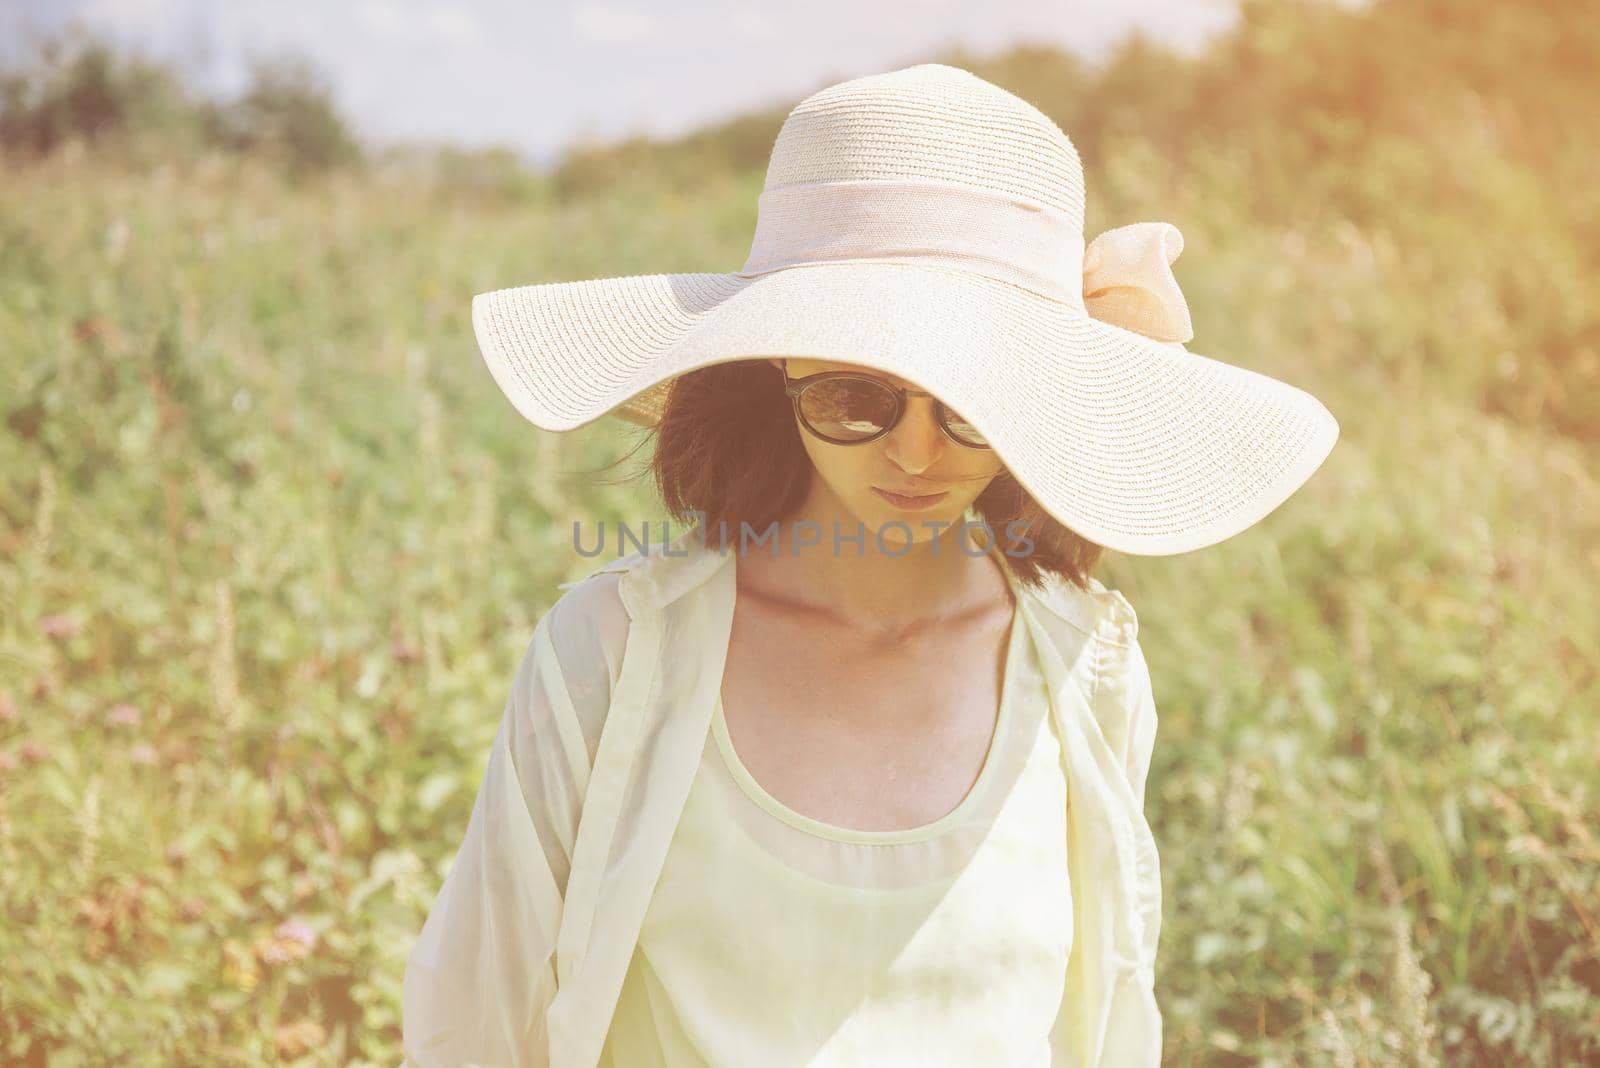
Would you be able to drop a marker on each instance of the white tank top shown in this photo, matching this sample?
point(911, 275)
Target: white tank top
point(775, 939)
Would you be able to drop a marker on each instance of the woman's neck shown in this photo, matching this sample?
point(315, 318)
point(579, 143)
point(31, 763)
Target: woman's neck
point(879, 586)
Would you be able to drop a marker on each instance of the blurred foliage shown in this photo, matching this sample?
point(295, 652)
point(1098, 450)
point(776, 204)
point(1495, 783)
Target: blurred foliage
point(735, 146)
point(84, 91)
point(88, 90)
point(272, 542)
point(287, 111)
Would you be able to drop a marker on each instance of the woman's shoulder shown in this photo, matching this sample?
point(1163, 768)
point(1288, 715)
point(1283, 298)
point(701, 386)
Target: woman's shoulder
point(588, 626)
point(1094, 609)
point(570, 666)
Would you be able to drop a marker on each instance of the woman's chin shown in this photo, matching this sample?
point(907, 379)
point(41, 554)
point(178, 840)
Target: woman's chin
point(891, 527)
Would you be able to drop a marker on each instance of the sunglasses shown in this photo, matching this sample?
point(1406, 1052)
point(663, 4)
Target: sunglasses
point(852, 408)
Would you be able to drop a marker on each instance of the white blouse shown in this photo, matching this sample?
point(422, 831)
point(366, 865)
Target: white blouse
point(525, 952)
point(773, 938)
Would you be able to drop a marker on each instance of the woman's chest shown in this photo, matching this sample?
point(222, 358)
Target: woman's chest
point(865, 737)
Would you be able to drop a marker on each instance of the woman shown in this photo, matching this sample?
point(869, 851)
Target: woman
point(869, 790)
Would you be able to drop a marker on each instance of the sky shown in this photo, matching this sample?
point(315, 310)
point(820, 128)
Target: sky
point(541, 75)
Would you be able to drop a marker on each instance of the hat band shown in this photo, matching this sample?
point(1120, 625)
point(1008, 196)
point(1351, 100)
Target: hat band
point(999, 236)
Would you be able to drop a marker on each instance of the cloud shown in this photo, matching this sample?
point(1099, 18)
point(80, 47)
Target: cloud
point(414, 24)
point(750, 23)
point(457, 25)
point(125, 15)
point(608, 22)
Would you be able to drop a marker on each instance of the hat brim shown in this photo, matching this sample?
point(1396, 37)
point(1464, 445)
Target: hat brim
point(1135, 444)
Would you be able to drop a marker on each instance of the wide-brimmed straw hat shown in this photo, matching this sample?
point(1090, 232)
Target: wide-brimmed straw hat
point(928, 224)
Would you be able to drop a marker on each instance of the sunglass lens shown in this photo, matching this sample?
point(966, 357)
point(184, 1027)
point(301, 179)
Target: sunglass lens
point(963, 430)
point(847, 410)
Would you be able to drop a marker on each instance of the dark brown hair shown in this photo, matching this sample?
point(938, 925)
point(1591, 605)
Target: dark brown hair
point(728, 448)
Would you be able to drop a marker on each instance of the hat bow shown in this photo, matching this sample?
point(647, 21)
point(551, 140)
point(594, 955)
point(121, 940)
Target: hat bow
point(1128, 281)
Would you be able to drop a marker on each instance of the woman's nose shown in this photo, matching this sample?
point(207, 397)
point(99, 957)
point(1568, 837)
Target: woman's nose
point(916, 442)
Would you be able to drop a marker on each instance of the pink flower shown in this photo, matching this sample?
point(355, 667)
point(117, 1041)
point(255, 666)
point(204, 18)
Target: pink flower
point(295, 931)
point(34, 751)
point(272, 952)
point(8, 762)
point(123, 715)
point(60, 626)
point(143, 753)
point(8, 707)
point(291, 941)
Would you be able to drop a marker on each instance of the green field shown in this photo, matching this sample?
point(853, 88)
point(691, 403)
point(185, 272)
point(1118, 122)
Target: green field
point(272, 543)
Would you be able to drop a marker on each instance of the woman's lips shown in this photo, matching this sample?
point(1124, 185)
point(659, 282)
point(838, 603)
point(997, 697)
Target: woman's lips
point(911, 504)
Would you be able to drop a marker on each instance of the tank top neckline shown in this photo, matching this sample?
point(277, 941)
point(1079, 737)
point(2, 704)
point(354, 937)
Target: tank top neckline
point(892, 836)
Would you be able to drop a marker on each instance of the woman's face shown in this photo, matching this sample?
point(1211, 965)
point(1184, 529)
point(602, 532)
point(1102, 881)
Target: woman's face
point(915, 457)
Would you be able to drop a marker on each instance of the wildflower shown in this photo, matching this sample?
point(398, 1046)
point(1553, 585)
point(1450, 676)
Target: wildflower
point(8, 760)
point(300, 933)
point(291, 941)
point(298, 1038)
point(123, 715)
point(60, 626)
point(34, 751)
point(89, 328)
point(143, 753)
point(8, 707)
point(272, 952)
